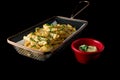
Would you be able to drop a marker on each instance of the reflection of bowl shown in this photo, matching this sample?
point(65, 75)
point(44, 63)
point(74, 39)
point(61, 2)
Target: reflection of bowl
point(86, 57)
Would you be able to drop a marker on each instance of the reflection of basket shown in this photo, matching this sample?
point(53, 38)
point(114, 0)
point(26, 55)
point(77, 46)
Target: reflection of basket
point(30, 54)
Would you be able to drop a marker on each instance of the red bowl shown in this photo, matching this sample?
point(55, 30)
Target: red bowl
point(87, 57)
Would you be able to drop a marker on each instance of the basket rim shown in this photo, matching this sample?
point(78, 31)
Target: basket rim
point(36, 51)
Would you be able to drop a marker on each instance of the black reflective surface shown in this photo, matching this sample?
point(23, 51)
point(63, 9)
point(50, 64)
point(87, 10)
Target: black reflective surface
point(21, 16)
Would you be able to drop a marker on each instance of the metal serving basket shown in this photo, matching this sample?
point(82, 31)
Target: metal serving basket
point(17, 39)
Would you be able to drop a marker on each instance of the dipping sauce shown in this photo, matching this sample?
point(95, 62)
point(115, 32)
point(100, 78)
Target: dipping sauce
point(88, 48)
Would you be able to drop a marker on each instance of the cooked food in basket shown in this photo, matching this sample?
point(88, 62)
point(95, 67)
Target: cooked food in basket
point(49, 37)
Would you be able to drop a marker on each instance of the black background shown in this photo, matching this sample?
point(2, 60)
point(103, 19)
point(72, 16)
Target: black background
point(19, 15)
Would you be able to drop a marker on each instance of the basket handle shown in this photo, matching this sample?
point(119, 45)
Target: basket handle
point(73, 15)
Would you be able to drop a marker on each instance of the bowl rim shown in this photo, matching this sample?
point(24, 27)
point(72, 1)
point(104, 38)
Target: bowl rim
point(87, 53)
